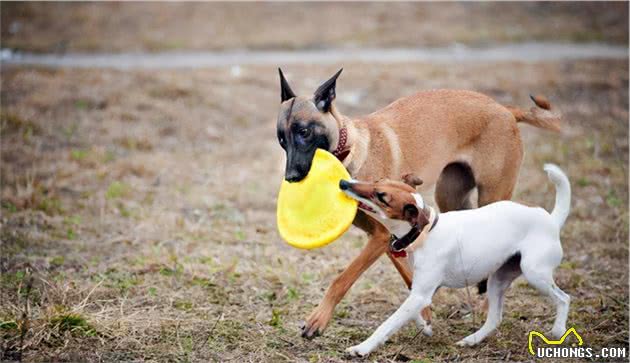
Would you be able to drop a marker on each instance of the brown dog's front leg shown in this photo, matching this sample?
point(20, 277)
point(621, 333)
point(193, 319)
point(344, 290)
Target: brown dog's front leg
point(403, 268)
point(319, 318)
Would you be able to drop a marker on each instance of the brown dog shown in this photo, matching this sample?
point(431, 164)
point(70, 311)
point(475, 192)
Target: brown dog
point(452, 139)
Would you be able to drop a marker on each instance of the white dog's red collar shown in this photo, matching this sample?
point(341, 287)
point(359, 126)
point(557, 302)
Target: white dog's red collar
point(398, 246)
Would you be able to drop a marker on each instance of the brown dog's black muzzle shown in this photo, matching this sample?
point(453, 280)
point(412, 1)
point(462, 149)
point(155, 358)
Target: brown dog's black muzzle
point(298, 165)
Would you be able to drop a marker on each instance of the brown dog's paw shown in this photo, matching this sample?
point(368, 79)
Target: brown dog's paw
point(316, 323)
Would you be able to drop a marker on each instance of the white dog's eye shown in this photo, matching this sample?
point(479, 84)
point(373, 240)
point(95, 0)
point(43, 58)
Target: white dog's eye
point(381, 197)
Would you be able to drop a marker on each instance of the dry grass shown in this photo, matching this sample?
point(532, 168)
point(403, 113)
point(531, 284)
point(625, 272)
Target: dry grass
point(60, 27)
point(138, 216)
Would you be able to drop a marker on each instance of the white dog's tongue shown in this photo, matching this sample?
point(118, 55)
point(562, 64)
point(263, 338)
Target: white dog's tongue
point(366, 207)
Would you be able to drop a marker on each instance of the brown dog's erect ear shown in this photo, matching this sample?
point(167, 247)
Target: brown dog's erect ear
point(325, 94)
point(412, 180)
point(286, 93)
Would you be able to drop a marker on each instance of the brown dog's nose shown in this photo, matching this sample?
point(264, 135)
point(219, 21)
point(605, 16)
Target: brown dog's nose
point(344, 184)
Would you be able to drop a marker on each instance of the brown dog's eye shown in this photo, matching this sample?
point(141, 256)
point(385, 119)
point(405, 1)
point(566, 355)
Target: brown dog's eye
point(304, 132)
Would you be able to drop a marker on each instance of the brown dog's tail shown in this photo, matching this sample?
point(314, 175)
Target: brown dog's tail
point(542, 116)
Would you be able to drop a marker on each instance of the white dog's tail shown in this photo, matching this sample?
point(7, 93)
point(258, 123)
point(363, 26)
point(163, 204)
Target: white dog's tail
point(563, 193)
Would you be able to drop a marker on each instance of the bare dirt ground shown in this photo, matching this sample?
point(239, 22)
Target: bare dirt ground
point(115, 27)
point(138, 216)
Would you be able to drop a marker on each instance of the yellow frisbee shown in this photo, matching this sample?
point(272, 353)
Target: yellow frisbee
point(314, 211)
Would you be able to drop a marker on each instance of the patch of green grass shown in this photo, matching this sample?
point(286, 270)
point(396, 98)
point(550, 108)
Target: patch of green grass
point(70, 222)
point(216, 293)
point(71, 234)
point(583, 182)
point(184, 305)
point(79, 154)
point(276, 318)
point(70, 131)
point(8, 325)
point(116, 190)
point(72, 322)
point(233, 276)
point(49, 205)
point(109, 156)
point(292, 294)
point(121, 280)
point(10, 207)
point(187, 344)
point(167, 271)
point(81, 104)
point(94, 260)
point(227, 332)
point(124, 212)
point(420, 361)
point(57, 261)
point(11, 122)
point(612, 199)
point(200, 281)
point(240, 235)
point(341, 313)
point(270, 296)
point(15, 278)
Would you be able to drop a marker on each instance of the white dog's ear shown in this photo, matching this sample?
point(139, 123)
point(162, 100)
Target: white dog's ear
point(412, 180)
point(419, 200)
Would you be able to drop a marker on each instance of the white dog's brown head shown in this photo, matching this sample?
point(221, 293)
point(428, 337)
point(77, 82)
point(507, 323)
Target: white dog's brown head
point(391, 202)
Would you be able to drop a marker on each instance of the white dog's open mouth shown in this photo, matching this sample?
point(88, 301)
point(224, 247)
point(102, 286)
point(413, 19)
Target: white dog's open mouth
point(364, 204)
point(366, 207)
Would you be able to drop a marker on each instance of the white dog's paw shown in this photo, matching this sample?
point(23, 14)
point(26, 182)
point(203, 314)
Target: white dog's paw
point(425, 329)
point(557, 333)
point(467, 342)
point(360, 350)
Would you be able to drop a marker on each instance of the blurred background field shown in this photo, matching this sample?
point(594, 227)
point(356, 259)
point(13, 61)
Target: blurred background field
point(115, 27)
point(138, 206)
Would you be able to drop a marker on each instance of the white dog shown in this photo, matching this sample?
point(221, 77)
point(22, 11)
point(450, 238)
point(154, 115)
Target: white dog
point(499, 242)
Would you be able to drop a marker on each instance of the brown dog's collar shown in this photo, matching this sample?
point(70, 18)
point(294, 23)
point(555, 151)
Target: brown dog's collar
point(340, 152)
point(397, 245)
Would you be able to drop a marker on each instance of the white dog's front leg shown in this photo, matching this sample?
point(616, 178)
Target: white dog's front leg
point(406, 312)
